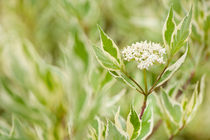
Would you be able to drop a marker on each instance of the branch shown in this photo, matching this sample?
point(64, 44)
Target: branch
point(141, 89)
point(143, 107)
point(161, 74)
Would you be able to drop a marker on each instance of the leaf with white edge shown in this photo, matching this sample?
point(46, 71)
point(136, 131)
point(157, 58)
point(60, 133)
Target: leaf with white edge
point(133, 124)
point(92, 134)
point(105, 131)
point(114, 74)
point(100, 128)
point(202, 88)
point(119, 121)
point(172, 69)
point(172, 90)
point(116, 119)
point(172, 108)
point(181, 33)
point(105, 60)
point(128, 81)
point(109, 46)
point(192, 105)
point(168, 29)
point(156, 104)
point(171, 128)
point(177, 5)
point(147, 122)
point(114, 133)
point(195, 100)
point(124, 78)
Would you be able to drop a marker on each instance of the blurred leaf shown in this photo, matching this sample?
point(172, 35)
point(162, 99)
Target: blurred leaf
point(79, 49)
point(195, 100)
point(115, 98)
point(177, 6)
point(115, 133)
point(107, 79)
point(96, 133)
point(119, 121)
point(155, 103)
point(172, 108)
point(195, 32)
point(206, 23)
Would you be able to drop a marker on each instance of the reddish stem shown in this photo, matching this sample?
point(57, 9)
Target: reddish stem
point(143, 107)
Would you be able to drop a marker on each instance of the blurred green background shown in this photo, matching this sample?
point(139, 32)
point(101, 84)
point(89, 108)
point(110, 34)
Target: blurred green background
point(51, 86)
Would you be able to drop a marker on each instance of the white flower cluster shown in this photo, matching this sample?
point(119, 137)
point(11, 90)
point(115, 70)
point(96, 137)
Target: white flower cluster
point(144, 53)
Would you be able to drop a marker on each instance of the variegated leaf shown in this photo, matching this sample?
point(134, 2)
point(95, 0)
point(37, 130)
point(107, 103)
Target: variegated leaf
point(133, 124)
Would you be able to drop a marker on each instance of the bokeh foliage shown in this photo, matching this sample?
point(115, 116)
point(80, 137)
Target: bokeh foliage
point(51, 86)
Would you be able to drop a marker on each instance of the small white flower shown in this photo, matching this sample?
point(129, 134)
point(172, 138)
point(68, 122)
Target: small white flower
point(144, 53)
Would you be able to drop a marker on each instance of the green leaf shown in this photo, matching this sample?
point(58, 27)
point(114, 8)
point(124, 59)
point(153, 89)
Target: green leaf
point(80, 51)
point(202, 88)
point(171, 127)
point(192, 105)
point(106, 79)
point(169, 28)
point(156, 104)
point(172, 108)
point(105, 60)
point(196, 32)
point(124, 78)
point(147, 122)
point(181, 33)
point(127, 80)
point(133, 124)
point(109, 46)
point(104, 132)
point(119, 121)
point(172, 69)
point(114, 133)
point(195, 100)
point(93, 134)
point(177, 6)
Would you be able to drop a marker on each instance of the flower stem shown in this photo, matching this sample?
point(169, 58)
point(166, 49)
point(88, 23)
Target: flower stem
point(140, 90)
point(143, 107)
point(145, 81)
point(158, 78)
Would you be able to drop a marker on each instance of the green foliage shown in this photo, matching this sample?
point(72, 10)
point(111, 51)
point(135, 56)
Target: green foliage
point(173, 109)
point(177, 115)
point(147, 122)
point(168, 73)
point(105, 60)
point(52, 88)
point(181, 33)
point(80, 50)
point(109, 46)
point(168, 30)
point(133, 124)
